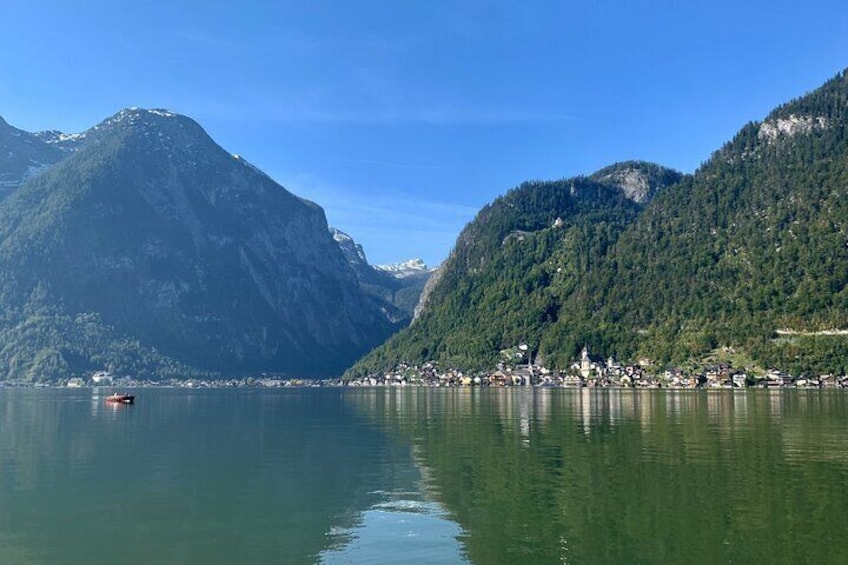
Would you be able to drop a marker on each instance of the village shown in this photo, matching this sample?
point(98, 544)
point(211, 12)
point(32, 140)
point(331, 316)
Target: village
point(593, 373)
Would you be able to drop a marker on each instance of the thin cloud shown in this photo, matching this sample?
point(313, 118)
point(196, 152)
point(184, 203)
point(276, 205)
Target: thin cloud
point(391, 165)
point(261, 108)
point(205, 40)
point(417, 116)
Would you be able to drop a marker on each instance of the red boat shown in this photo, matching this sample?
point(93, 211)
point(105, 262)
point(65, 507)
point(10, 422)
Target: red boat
point(121, 398)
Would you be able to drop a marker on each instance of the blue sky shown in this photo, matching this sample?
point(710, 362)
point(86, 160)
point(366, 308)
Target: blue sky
point(402, 118)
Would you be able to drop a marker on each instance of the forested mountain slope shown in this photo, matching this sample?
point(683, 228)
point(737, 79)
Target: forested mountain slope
point(512, 272)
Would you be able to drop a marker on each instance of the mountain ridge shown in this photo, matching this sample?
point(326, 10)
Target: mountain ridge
point(405, 269)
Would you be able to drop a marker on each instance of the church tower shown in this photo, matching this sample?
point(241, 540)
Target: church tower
point(585, 363)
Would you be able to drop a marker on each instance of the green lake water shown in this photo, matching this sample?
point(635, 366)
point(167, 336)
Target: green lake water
point(420, 475)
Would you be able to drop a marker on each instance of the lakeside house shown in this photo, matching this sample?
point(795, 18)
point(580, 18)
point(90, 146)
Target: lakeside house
point(101, 378)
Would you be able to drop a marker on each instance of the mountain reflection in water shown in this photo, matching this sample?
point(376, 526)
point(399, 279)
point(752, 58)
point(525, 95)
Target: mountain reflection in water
point(617, 476)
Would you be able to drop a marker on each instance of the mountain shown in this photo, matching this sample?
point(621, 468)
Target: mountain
point(156, 243)
point(22, 156)
point(748, 255)
point(397, 290)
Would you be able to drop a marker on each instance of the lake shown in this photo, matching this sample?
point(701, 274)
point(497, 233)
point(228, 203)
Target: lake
point(423, 475)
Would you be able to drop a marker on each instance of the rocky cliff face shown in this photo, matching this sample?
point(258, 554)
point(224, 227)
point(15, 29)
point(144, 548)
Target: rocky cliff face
point(175, 242)
point(354, 254)
point(639, 180)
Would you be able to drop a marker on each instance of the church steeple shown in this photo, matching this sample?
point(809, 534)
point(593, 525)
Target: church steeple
point(585, 363)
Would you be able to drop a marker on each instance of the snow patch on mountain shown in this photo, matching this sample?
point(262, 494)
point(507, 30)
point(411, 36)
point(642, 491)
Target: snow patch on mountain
point(248, 164)
point(160, 112)
point(67, 142)
point(135, 111)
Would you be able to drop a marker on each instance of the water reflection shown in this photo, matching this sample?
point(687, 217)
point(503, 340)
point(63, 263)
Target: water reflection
point(602, 476)
point(425, 475)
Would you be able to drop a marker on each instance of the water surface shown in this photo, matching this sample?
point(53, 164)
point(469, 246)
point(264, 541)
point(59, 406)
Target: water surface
point(423, 476)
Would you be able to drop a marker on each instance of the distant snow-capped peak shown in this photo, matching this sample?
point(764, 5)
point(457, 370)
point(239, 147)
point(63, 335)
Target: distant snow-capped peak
point(142, 118)
point(135, 112)
point(404, 269)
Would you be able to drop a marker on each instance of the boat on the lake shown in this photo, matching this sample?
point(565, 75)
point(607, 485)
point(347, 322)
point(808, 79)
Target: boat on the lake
point(121, 398)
